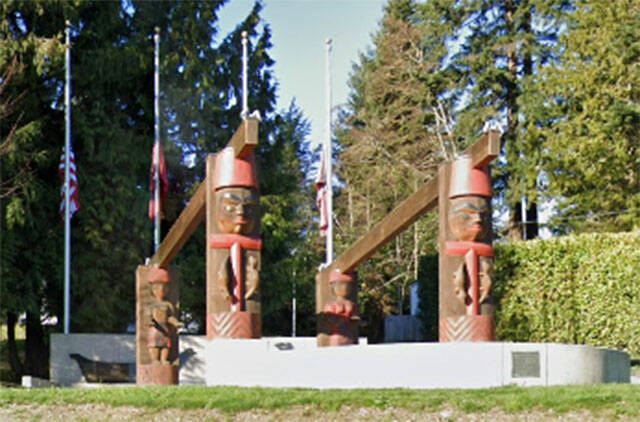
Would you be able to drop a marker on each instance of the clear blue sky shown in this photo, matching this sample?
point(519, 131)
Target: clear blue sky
point(299, 29)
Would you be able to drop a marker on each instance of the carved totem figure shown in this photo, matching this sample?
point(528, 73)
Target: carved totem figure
point(233, 280)
point(161, 317)
point(340, 318)
point(156, 327)
point(466, 308)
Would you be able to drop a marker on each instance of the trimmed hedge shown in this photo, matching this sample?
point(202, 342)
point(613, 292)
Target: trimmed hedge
point(579, 289)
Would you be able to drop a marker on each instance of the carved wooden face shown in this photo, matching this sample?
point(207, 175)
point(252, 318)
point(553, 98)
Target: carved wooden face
point(341, 289)
point(159, 290)
point(237, 210)
point(470, 217)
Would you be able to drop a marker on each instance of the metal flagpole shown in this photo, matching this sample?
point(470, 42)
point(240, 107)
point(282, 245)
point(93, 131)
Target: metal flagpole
point(245, 89)
point(328, 155)
point(156, 127)
point(67, 149)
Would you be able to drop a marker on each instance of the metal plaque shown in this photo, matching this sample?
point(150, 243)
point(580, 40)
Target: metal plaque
point(525, 364)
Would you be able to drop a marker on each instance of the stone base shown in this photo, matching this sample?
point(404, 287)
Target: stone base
point(157, 374)
point(467, 328)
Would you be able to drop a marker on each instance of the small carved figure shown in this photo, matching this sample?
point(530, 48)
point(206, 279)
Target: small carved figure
point(342, 310)
point(161, 317)
point(485, 274)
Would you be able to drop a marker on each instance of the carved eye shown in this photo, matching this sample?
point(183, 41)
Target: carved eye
point(229, 208)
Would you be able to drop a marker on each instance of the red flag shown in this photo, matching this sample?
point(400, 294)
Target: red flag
point(74, 205)
point(321, 196)
point(164, 181)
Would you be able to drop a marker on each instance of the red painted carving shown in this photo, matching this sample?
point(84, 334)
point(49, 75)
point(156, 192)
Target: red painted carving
point(236, 243)
point(467, 328)
point(161, 318)
point(468, 236)
point(234, 325)
point(232, 171)
point(341, 313)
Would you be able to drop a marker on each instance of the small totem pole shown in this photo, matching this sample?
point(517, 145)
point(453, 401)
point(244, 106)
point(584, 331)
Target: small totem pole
point(233, 260)
point(156, 330)
point(466, 253)
point(341, 313)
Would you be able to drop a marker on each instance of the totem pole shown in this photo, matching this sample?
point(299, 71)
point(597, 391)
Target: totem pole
point(156, 327)
point(340, 313)
point(233, 256)
point(466, 253)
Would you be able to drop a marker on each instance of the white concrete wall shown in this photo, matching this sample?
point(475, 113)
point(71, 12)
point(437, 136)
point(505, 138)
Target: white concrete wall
point(409, 365)
point(104, 347)
point(297, 362)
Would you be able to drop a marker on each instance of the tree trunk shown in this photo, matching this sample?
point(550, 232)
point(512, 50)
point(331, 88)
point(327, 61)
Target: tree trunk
point(514, 231)
point(532, 228)
point(12, 348)
point(36, 359)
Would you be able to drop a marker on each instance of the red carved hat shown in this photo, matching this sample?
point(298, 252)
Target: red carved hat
point(158, 275)
point(337, 276)
point(231, 171)
point(467, 180)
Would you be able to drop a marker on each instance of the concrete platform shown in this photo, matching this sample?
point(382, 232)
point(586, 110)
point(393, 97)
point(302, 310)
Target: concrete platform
point(297, 362)
point(412, 365)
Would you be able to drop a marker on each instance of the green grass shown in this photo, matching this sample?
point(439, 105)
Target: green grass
point(602, 399)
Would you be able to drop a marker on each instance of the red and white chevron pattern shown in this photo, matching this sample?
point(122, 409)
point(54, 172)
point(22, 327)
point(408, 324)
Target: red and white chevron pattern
point(234, 325)
point(467, 328)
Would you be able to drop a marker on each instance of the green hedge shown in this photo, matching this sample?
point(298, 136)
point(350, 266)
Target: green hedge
point(581, 289)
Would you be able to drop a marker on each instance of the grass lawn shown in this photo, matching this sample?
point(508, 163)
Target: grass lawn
point(605, 400)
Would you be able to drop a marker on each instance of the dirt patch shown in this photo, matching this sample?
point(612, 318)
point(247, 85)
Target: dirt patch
point(99, 412)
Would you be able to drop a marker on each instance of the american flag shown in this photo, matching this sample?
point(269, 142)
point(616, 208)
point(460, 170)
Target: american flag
point(164, 181)
point(74, 205)
point(321, 196)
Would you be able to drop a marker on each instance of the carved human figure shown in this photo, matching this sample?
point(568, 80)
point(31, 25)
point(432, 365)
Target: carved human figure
point(233, 308)
point(341, 310)
point(466, 310)
point(470, 221)
point(161, 317)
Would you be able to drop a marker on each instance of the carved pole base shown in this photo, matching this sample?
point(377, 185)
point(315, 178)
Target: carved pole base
point(234, 325)
point(467, 328)
point(157, 374)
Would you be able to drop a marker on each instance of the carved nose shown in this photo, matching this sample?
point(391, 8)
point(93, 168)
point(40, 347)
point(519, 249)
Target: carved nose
point(240, 209)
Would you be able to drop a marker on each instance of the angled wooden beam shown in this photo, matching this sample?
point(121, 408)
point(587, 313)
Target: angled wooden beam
point(188, 221)
point(412, 208)
point(485, 149)
point(246, 137)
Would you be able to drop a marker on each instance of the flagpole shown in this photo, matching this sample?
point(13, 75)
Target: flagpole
point(156, 127)
point(67, 149)
point(328, 155)
point(245, 83)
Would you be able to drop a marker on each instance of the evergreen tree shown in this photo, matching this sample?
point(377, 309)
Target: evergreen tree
point(588, 115)
point(393, 134)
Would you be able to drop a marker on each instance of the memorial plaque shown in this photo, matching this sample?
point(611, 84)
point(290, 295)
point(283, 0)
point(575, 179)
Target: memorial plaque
point(525, 364)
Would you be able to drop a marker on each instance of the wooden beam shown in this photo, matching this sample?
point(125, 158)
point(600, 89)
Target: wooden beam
point(412, 208)
point(396, 221)
point(485, 149)
point(246, 137)
point(188, 221)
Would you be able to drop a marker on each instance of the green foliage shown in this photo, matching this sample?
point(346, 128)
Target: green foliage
point(575, 289)
point(587, 113)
